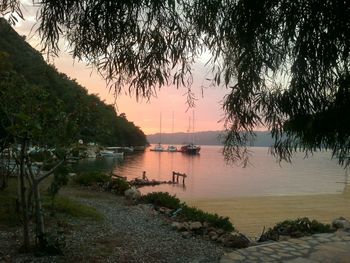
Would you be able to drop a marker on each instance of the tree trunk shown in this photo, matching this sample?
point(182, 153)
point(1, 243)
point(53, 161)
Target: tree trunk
point(22, 197)
point(40, 229)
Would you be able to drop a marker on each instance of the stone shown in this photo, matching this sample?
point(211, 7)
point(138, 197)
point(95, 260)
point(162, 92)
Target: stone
point(214, 238)
point(195, 225)
point(212, 233)
point(186, 234)
point(177, 225)
point(341, 223)
point(164, 210)
point(235, 240)
point(132, 194)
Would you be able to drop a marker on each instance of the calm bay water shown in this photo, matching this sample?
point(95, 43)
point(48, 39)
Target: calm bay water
point(210, 177)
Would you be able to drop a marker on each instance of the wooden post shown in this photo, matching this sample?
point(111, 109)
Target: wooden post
point(173, 177)
point(144, 175)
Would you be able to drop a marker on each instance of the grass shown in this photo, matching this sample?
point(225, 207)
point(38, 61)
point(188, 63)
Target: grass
point(8, 214)
point(67, 206)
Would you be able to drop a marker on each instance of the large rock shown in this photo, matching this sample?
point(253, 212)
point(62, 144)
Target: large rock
point(195, 226)
point(234, 240)
point(341, 223)
point(132, 194)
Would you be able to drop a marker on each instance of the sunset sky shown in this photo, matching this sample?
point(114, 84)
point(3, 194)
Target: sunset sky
point(208, 107)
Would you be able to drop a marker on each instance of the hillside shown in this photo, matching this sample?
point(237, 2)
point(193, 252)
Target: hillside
point(97, 121)
point(263, 139)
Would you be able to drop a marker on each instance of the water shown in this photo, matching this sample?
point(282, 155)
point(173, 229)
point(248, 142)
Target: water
point(210, 177)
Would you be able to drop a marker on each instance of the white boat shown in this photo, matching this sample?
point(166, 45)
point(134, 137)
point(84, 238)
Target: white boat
point(172, 148)
point(109, 153)
point(158, 148)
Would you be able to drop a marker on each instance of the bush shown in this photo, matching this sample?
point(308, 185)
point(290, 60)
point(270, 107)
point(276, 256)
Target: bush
point(195, 214)
point(119, 185)
point(91, 178)
point(296, 228)
point(187, 213)
point(162, 199)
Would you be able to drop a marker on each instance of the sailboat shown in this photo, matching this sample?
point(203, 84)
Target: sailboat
point(191, 148)
point(172, 148)
point(159, 147)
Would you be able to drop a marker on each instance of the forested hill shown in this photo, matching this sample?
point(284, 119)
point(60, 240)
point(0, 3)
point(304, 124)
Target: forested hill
point(97, 121)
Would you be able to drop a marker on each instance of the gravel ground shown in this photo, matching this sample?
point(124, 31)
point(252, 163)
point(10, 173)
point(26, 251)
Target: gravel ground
point(129, 234)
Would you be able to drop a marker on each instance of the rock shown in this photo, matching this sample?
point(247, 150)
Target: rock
point(186, 225)
point(195, 225)
point(234, 240)
point(220, 231)
point(186, 234)
point(214, 237)
point(177, 225)
point(212, 233)
point(164, 210)
point(341, 223)
point(132, 194)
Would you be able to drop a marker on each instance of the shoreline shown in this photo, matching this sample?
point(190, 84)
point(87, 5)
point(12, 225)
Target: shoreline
point(250, 215)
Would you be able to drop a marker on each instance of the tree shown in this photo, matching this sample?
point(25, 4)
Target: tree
point(30, 118)
point(285, 63)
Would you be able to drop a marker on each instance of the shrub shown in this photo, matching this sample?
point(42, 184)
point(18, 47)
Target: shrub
point(162, 199)
point(187, 213)
point(296, 228)
point(119, 185)
point(91, 178)
point(195, 214)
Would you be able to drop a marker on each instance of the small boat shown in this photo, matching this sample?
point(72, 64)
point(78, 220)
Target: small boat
point(158, 148)
point(109, 153)
point(190, 149)
point(171, 148)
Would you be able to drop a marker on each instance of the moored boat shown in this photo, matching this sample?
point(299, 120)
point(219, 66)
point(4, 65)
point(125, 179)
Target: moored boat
point(158, 148)
point(172, 148)
point(190, 149)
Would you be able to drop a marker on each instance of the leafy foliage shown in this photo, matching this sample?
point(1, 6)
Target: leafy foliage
point(60, 179)
point(187, 213)
point(296, 228)
point(195, 214)
point(285, 63)
point(91, 178)
point(56, 99)
point(162, 199)
point(119, 185)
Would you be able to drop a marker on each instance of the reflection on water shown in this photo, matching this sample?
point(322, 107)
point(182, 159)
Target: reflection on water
point(209, 176)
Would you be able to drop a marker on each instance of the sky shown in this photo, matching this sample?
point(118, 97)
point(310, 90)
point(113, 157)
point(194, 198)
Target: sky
point(151, 116)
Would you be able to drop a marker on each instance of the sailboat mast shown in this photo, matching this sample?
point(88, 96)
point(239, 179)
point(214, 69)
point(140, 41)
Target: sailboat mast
point(160, 128)
point(193, 127)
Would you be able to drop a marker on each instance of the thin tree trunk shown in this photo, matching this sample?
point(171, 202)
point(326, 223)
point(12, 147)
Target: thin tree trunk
point(40, 228)
point(24, 205)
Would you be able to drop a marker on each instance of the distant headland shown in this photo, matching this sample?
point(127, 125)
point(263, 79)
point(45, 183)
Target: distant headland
point(262, 139)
